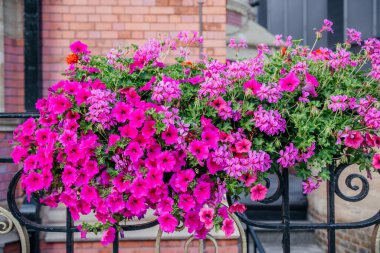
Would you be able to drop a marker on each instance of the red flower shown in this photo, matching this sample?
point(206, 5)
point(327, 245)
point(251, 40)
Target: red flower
point(72, 58)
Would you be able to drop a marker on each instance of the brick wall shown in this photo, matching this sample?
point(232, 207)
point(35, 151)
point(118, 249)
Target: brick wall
point(103, 24)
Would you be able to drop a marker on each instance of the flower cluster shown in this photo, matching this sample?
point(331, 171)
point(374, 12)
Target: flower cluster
point(126, 133)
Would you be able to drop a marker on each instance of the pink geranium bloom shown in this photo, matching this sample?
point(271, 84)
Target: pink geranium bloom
point(210, 137)
point(228, 227)
point(166, 161)
point(134, 151)
point(168, 222)
point(199, 149)
point(376, 161)
point(170, 135)
point(108, 236)
point(252, 85)
point(258, 192)
point(353, 139)
point(206, 215)
point(243, 146)
point(289, 83)
point(121, 112)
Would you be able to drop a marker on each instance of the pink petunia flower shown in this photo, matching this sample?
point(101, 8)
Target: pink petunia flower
point(289, 83)
point(253, 85)
point(376, 161)
point(258, 192)
point(134, 151)
point(210, 137)
point(353, 139)
point(78, 47)
point(243, 146)
point(121, 112)
point(202, 192)
point(166, 161)
point(170, 135)
point(199, 149)
point(228, 227)
point(113, 139)
point(206, 215)
point(168, 222)
point(186, 202)
point(108, 236)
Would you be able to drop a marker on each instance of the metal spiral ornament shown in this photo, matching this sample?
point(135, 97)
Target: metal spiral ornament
point(277, 194)
point(364, 186)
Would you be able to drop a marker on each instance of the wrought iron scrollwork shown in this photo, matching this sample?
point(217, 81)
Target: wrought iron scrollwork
point(277, 194)
point(7, 226)
point(349, 183)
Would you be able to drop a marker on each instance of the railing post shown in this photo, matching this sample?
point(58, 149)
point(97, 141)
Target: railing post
point(285, 211)
point(115, 244)
point(331, 210)
point(69, 232)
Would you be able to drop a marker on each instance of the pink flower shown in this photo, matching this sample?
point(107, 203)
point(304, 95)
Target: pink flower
point(269, 122)
point(139, 187)
point(206, 216)
point(309, 186)
point(353, 139)
point(338, 102)
point(199, 149)
point(78, 47)
point(18, 154)
point(136, 205)
point(108, 236)
point(34, 182)
point(115, 202)
point(327, 24)
point(134, 151)
point(237, 207)
point(148, 129)
point(289, 83)
point(228, 227)
point(210, 137)
point(376, 161)
point(69, 175)
point(121, 111)
point(60, 104)
point(219, 103)
point(252, 85)
point(353, 36)
point(186, 202)
point(166, 161)
point(170, 135)
point(148, 85)
point(288, 157)
point(243, 146)
point(203, 192)
point(168, 222)
point(258, 192)
point(113, 139)
point(128, 131)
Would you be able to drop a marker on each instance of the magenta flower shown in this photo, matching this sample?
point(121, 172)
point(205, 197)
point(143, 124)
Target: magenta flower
point(186, 202)
point(288, 157)
point(327, 24)
point(206, 215)
point(243, 146)
point(203, 192)
point(258, 192)
point(134, 151)
point(199, 149)
point(210, 137)
point(353, 36)
point(252, 85)
point(309, 186)
point(166, 90)
point(113, 139)
point(121, 111)
point(166, 161)
point(228, 227)
point(168, 222)
point(237, 208)
point(269, 122)
point(170, 135)
point(353, 139)
point(108, 236)
point(289, 83)
point(376, 161)
point(78, 47)
point(338, 103)
point(148, 129)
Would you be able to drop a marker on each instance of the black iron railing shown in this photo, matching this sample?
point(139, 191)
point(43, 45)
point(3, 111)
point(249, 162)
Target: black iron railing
point(285, 225)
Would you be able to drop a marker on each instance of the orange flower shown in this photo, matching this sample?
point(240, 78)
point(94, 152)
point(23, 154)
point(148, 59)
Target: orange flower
point(283, 51)
point(187, 63)
point(72, 58)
